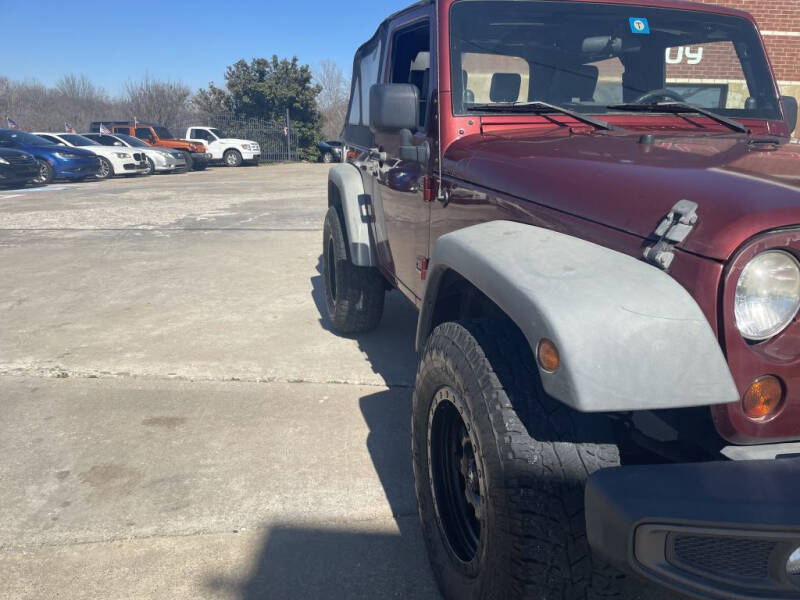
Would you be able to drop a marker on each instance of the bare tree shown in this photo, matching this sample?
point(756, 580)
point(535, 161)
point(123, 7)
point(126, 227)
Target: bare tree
point(163, 102)
point(333, 98)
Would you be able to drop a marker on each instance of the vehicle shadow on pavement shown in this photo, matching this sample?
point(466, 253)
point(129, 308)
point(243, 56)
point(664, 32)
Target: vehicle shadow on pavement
point(390, 347)
point(373, 559)
point(377, 558)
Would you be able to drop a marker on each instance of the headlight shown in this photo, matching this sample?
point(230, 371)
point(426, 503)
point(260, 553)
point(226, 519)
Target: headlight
point(122, 154)
point(63, 155)
point(3, 161)
point(767, 295)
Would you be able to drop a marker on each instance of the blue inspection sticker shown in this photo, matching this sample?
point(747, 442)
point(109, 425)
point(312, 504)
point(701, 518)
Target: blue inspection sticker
point(640, 25)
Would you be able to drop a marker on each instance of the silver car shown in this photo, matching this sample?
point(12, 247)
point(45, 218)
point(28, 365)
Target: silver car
point(160, 160)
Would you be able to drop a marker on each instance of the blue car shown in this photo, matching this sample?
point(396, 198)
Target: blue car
point(55, 161)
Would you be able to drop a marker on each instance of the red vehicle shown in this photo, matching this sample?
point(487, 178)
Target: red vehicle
point(596, 208)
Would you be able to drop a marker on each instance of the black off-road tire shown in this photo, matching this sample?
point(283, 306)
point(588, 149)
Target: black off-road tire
point(232, 158)
point(527, 458)
point(354, 295)
point(199, 165)
point(188, 158)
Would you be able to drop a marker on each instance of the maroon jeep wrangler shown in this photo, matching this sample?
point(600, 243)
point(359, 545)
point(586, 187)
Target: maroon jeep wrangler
point(596, 208)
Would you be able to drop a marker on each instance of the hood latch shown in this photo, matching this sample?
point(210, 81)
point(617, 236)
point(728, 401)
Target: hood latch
point(672, 230)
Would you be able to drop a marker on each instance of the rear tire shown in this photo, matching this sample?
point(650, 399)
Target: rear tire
point(46, 172)
point(106, 169)
point(354, 295)
point(232, 158)
point(500, 469)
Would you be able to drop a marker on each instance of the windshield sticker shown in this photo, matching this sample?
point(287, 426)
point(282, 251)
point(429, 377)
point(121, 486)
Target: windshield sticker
point(640, 25)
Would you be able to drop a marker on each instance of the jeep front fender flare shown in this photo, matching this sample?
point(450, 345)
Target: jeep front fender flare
point(346, 190)
point(629, 336)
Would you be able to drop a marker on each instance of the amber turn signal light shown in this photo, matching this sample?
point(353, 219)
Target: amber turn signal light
point(763, 398)
point(547, 353)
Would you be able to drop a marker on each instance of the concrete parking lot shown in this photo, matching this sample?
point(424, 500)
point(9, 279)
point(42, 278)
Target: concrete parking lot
point(178, 421)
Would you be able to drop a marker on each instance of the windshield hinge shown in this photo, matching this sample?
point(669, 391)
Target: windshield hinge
point(673, 229)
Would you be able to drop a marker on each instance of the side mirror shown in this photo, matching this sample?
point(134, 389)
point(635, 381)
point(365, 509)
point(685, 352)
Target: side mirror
point(789, 106)
point(393, 107)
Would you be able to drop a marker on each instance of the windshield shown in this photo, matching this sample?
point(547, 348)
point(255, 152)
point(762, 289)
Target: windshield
point(78, 140)
point(163, 133)
point(22, 137)
point(132, 141)
point(587, 56)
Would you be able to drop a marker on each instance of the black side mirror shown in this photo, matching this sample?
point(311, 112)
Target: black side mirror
point(789, 106)
point(393, 107)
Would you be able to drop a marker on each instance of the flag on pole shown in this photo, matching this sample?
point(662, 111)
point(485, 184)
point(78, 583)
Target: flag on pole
point(285, 132)
point(69, 128)
point(12, 124)
point(135, 122)
point(104, 130)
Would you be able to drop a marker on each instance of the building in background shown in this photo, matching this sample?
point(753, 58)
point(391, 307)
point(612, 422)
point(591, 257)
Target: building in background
point(779, 22)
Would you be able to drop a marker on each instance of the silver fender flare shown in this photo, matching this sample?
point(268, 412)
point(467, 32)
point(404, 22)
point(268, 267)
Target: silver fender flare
point(629, 336)
point(345, 181)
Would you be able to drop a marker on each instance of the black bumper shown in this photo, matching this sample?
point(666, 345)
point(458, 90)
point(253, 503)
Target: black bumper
point(721, 530)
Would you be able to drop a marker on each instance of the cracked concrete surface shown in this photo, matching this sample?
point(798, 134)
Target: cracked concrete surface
point(178, 422)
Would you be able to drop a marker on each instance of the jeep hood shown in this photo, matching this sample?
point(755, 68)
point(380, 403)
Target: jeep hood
point(742, 188)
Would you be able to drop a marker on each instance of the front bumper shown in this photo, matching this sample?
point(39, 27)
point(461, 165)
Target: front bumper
point(201, 157)
point(76, 168)
point(135, 167)
point(719, 530)
point(18, 174)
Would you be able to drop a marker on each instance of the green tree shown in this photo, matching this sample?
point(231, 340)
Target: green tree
point(265, 88)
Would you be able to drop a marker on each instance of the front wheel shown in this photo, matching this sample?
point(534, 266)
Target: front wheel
point(188, 158)
point(500, 470)
point(232, 158)
point(151, 167)
point(106, 169)
point(327, 157)
point(353, 295)
point(46, 172)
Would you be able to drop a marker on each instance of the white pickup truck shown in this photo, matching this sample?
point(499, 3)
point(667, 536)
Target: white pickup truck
point(232, 151)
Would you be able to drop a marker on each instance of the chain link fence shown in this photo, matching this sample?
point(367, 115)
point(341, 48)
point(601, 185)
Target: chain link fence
point(278, 143)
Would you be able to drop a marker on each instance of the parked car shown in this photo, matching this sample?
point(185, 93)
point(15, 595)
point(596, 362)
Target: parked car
point(17, 168)
point(331, 151)
point(231, 151)
point(608, 285)
point(112, 161)
point(159, 160)
point(194, 153)
point(54, 161)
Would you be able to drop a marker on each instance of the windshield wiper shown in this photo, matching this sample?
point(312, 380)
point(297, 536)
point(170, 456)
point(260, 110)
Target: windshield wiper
point(540, 108)
point(681, 108)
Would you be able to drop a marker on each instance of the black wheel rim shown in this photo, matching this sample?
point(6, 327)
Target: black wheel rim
point(456, 479)
point(330, 272)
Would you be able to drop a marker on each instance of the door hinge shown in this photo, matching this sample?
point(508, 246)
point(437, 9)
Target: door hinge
point(422, 266)
point(672, 230)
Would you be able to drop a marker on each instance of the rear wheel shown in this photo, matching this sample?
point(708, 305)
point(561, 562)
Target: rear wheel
point(46, 172)
point(232, 158)
point(354, 295)
point(106, 169)
point(500, 469)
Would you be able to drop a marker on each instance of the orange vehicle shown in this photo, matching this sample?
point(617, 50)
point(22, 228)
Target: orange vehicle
point(195, 153)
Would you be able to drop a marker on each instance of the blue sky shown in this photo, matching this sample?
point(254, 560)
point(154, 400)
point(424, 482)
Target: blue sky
point(184, 41)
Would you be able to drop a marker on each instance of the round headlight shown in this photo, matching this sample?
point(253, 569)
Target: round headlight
point(767, 295)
